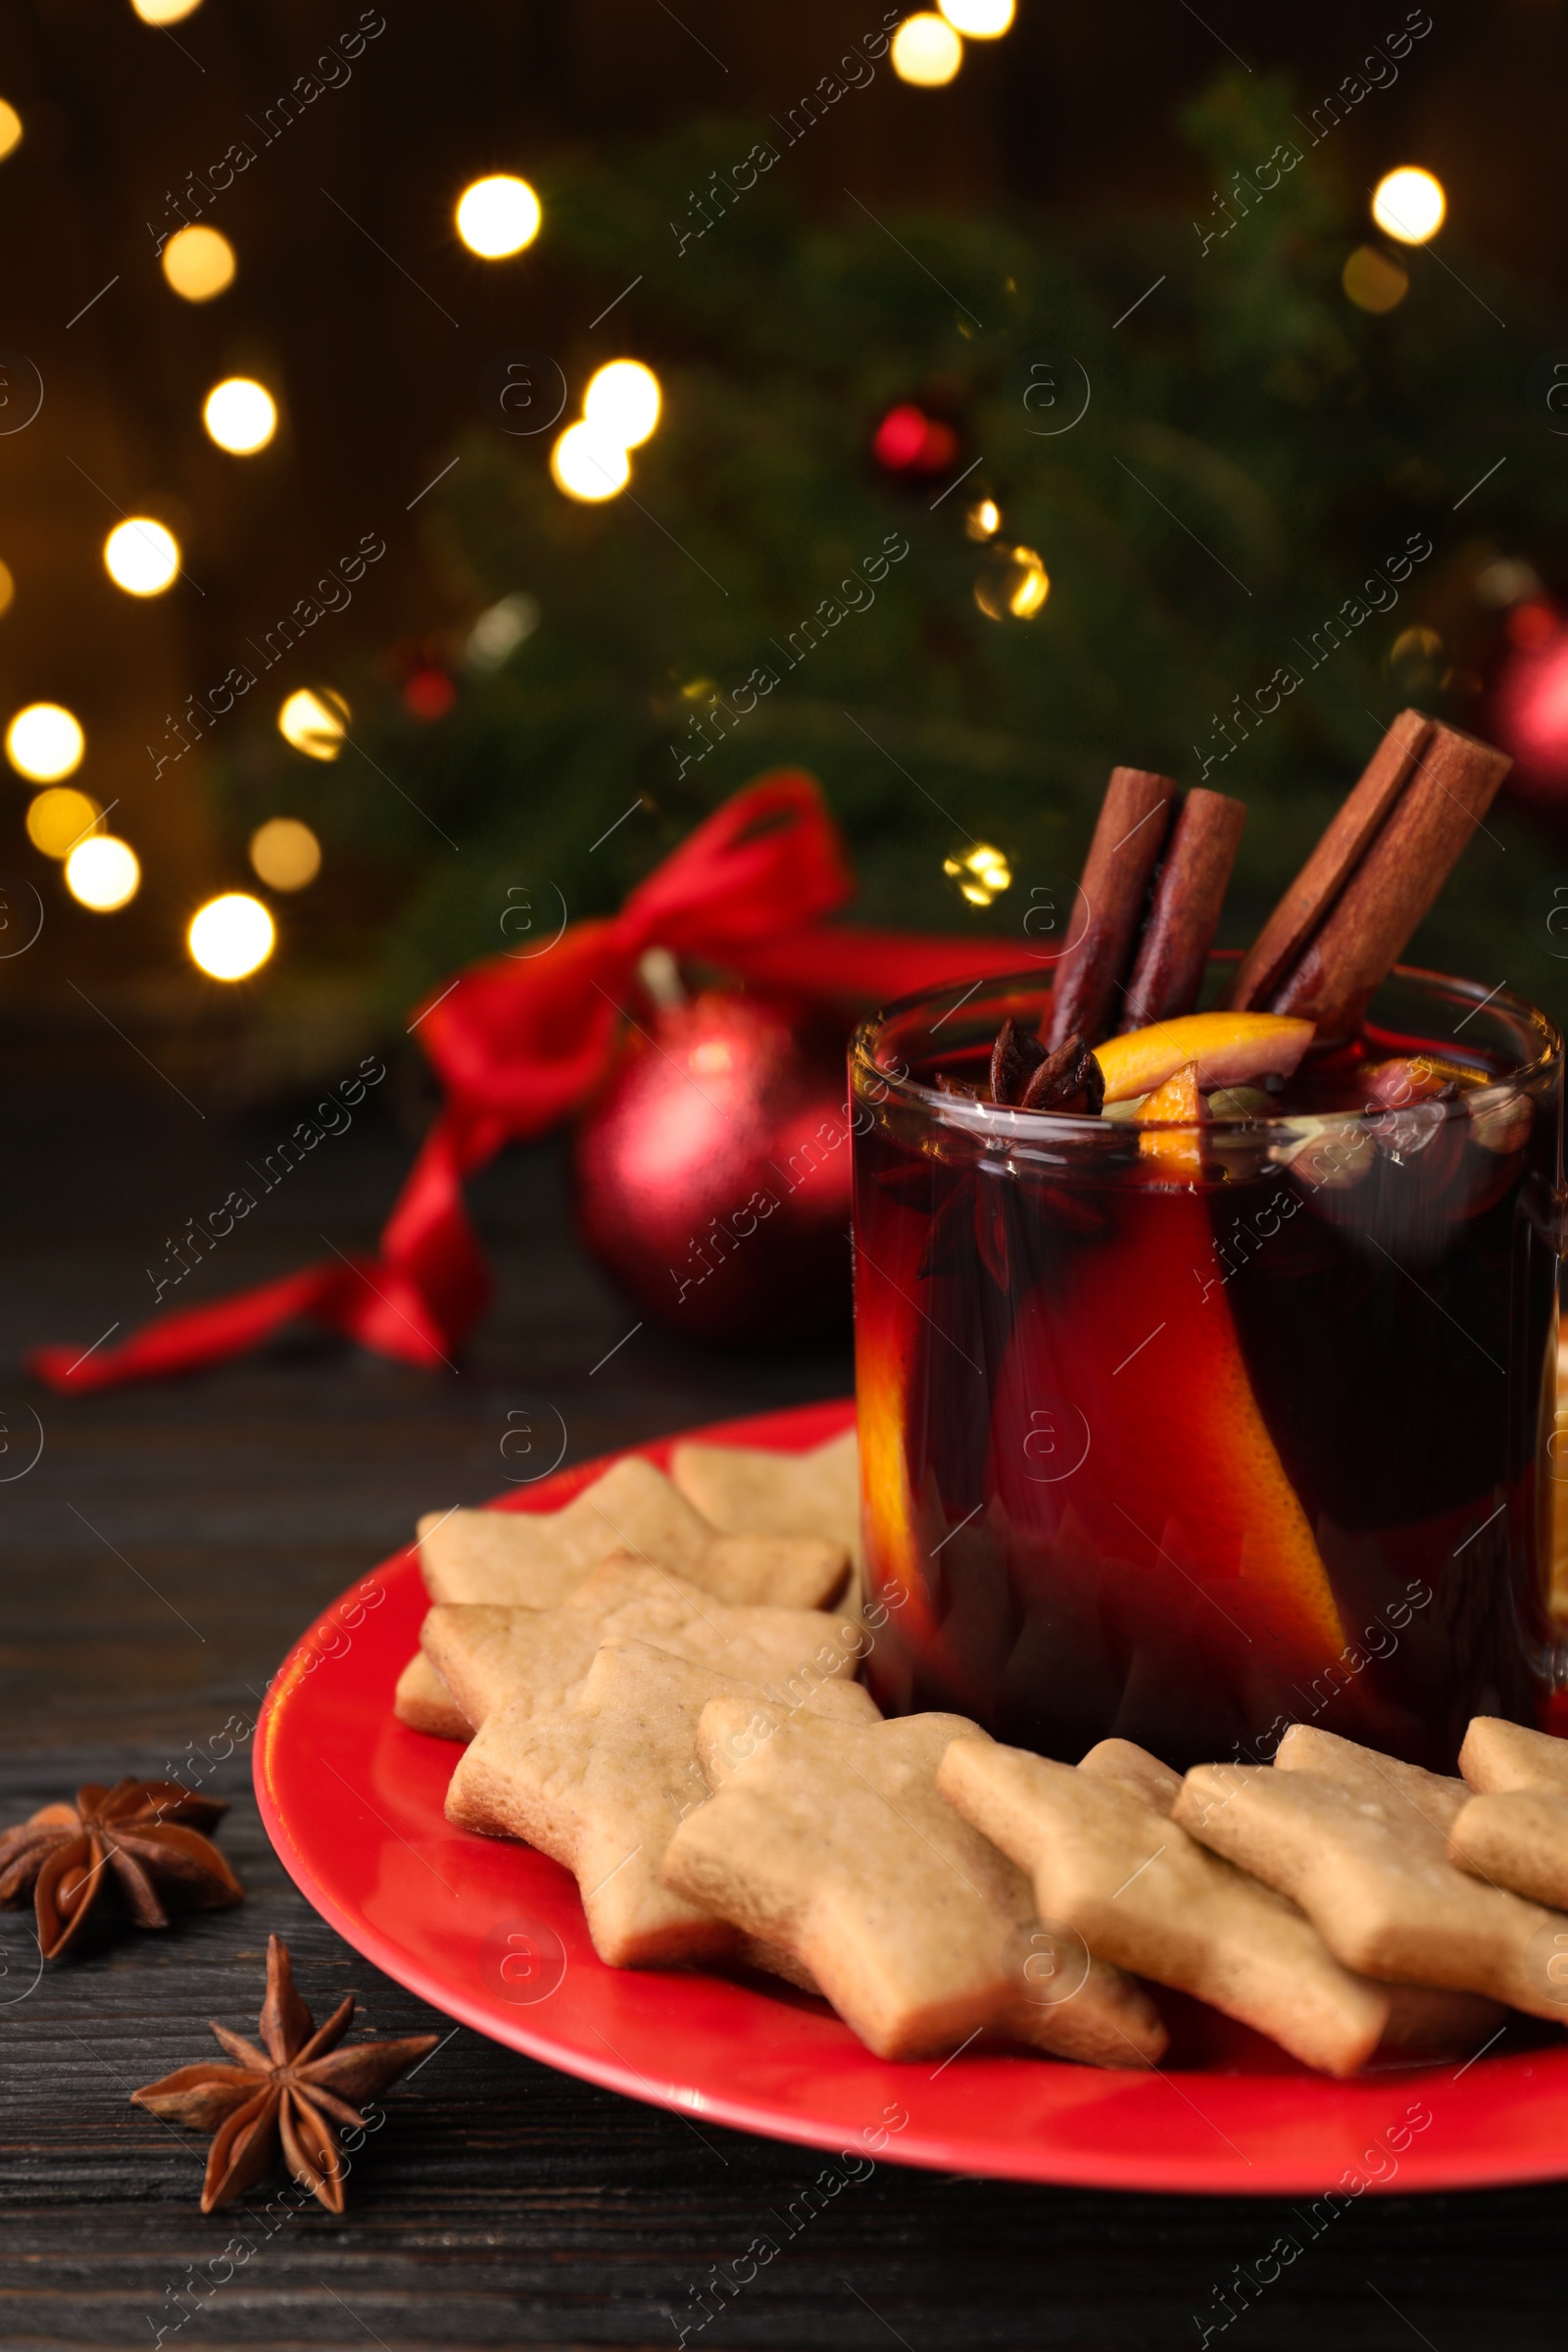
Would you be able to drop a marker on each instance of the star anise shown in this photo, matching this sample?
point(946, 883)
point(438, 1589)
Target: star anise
point(1026, 1076)
point(290, 2093)
point(143, 1836)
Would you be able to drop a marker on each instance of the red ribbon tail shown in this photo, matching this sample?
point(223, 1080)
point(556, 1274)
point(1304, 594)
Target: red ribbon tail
point(363, 1297)
point(520, 1041)
point(196, 1335)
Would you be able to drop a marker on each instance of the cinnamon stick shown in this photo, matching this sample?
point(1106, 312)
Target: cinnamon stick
point(1450, 786)
point(1335, 858)
point(1128, 838)
point(1184, 914)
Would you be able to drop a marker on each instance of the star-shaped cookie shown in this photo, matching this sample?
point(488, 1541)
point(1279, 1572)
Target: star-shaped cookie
point(1498, 1757)
point(831, 1839)
point(487, 1657)
point(1424, 2019)
point(749, 1491)
point(534, 1558)
point(1365, 1854)
point(1105, 1856)
point(1514, 1829)
point(601, 1778)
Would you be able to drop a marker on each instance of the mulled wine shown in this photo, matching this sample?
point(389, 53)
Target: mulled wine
point(1184, 1432)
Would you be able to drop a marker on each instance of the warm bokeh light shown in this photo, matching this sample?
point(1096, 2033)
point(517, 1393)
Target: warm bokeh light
point(499, 629)
point(587, 464)
point(982, 875)
point(141, 557)
point(8, 587)
point(314, 722)
point(926, 51)
point(102, 874)
point(984, 520)
point(231, 937)
point(10, 127)
point(621, 402)
point(1372, 281)
point(164, 12)
point(240, 415)
point(45, 742)
point(1015, 584)
point(58, 817)
point(1410, 204)
point(979, 19)
point(285, 854)
point(198, 263)
point(498, 217)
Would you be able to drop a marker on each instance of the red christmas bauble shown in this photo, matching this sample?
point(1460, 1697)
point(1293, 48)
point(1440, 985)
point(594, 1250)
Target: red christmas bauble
point(908, 441)
point(1530, 702)
point(714, 1169)
point(428, 693)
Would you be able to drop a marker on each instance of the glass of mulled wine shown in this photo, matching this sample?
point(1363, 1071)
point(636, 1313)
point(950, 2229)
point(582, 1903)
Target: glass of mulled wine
point(1183, 1435)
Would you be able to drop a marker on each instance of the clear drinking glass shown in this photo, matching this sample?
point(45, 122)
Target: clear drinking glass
point(1185, 1435)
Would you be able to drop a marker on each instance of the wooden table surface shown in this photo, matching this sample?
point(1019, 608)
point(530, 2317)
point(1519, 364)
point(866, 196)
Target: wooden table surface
point(160, 1558)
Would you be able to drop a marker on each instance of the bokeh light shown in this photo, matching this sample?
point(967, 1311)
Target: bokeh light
point(198, 261)
point(979, 19)
point(45, 742)
point(587, 464)
point(10, 129)
point(908, 441)
point(231, 937)
point(623, 402)
point(1372, 281)
point(58, 817)
point(102, 874)
point(983, 519)
point(164, 12)
point(981, 873)
point(1410, 204)
point(285, 854)
point(240, 415)
point(8, 587)
point(314, 720)
point(926, 51)
point(499, 629)
point(1013, 585)
point(141, 557)
point(498, 217)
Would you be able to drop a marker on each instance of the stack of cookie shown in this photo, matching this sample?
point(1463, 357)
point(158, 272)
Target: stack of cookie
point(655, 1686)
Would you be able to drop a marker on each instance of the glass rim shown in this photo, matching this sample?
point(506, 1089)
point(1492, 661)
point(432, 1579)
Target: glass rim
point(1004, 1123)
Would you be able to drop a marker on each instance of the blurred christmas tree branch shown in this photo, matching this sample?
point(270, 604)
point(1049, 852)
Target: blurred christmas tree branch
point(1256, 448)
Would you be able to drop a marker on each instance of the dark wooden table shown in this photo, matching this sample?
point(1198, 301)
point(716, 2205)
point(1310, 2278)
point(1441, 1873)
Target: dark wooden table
point(159, 1560)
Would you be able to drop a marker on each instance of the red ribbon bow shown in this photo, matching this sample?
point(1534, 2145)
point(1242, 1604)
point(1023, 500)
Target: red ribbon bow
point(519, 1042)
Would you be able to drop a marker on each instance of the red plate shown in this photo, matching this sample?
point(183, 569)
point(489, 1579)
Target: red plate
point(492, 1934)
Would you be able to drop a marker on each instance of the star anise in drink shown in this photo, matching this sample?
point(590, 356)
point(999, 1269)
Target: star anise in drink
point(285, 2096)
point(1026, 1075)
point(141, 1837)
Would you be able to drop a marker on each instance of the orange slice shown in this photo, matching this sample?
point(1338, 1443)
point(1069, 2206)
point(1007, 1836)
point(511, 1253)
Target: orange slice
point(1182, 1501)
point(1226, 1049)
point(1179, 1151)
